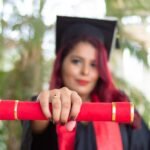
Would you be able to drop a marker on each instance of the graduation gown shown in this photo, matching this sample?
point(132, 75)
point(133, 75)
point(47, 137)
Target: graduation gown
point(132, 139)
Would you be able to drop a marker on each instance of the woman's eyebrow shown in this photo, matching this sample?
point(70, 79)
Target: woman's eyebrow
point(80, 57)
point(76, 56)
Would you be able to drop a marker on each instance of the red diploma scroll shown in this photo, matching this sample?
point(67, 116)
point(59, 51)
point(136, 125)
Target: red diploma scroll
point(122, 112)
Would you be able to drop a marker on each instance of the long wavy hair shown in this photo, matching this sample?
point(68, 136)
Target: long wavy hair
point(105, 90)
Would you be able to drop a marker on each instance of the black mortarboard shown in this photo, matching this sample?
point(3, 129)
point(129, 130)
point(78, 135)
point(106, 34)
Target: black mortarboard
point(71, 27)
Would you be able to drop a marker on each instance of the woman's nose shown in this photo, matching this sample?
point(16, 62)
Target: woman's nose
point(85, 70)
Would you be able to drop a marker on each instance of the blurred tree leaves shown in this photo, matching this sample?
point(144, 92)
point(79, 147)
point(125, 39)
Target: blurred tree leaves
point(122, 8)
point(137, 50)
point(27, 72)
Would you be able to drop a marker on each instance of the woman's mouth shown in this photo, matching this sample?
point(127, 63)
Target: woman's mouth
point(82, 82)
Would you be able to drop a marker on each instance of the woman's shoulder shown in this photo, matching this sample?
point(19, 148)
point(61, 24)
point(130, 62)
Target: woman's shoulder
point(136, 138)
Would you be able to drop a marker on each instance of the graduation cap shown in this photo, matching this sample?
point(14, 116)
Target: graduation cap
point(73, 27)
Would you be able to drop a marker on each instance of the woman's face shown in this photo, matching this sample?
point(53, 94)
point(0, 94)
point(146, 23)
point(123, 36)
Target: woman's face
point(79, 69)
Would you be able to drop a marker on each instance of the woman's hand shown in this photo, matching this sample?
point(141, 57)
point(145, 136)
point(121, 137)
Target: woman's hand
point(65, 105)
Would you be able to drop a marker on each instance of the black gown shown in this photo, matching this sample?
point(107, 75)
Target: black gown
point(132, 139)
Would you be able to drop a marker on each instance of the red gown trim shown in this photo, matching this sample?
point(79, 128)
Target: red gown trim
point(108, 136)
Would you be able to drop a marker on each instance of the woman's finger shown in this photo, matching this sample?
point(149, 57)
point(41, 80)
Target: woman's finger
point(44, 99)
point(65, 104)
point(56, 106)
point(76, 105)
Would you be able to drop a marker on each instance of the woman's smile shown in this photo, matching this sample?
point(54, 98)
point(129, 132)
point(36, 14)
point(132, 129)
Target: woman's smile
point(82, 82)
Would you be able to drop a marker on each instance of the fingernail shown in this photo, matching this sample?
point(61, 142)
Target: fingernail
point(70, 125)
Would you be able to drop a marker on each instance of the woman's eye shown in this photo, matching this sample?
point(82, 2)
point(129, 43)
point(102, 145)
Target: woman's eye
point(93, 64)
point(76, 61)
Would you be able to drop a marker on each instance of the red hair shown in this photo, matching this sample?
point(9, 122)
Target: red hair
point(105, 90)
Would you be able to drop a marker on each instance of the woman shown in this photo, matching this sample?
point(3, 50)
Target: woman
point(81, 74)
